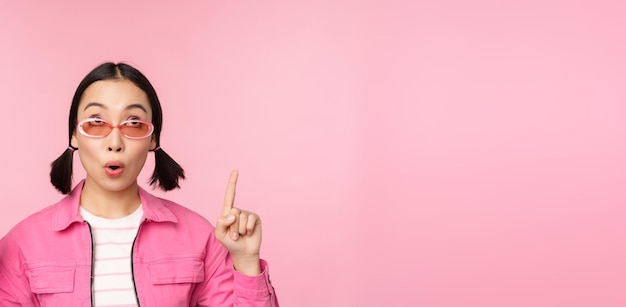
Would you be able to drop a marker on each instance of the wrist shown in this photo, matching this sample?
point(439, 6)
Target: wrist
point(247, 265)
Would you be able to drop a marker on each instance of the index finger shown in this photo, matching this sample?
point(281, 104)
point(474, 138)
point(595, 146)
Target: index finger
point(229, 198)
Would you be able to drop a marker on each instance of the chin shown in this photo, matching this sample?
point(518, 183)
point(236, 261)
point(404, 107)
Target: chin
point(122, 185)
point(115, 184)
point(121, 188)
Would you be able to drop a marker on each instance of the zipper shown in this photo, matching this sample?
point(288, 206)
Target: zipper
point(93, 303)
point(132, 263)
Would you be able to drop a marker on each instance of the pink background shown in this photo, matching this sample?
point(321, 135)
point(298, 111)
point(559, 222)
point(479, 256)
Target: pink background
point(418, 153)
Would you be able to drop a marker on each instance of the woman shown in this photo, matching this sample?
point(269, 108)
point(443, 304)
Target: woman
point(111, 243)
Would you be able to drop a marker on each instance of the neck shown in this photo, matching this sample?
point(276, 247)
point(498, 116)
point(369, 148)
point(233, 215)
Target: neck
point(109, 204)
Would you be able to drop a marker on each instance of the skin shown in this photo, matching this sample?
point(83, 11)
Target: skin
point(115, 197)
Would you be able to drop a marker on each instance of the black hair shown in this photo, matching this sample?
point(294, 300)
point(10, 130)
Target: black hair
point(166, 171)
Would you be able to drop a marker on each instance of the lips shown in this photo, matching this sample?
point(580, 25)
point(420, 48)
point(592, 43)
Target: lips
point(114, 168)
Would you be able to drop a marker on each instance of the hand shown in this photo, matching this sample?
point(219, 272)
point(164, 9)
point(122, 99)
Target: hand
point(240, 232)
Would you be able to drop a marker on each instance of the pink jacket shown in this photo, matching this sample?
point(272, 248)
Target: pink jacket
point(46, 260)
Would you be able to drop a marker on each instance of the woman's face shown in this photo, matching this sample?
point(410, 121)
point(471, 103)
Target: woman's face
point(113, 162)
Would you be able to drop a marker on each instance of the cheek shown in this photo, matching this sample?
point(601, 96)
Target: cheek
point(139, 151)
point(86, 146)
point(87, 152)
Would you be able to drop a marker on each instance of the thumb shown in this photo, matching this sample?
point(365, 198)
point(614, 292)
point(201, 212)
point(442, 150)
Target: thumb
point(223, 226)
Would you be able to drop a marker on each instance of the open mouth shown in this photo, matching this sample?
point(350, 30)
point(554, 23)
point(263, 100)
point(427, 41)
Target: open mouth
point(114, 166)
point(114, 169)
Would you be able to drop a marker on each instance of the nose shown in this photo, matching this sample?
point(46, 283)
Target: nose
point(117, 149)
point(115, 141)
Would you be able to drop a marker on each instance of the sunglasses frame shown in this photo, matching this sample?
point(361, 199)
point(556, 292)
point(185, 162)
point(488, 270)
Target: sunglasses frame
point(120, 126)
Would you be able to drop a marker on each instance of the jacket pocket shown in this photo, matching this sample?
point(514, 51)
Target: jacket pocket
point(53, 285)
point(176, 270)
point(173, 280)
point(51, 279)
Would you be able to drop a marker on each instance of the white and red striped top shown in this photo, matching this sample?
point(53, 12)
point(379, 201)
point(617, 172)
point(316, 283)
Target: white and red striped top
point(113, 241)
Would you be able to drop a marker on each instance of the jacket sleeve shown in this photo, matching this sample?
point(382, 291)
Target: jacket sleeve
point(223, 286)
point(14, 289)
point(7, 298)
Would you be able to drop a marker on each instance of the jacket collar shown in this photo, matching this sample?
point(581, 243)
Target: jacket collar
point(67, 212)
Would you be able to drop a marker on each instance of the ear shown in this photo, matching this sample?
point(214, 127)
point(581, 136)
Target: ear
point(74, 141)
point(153, 142)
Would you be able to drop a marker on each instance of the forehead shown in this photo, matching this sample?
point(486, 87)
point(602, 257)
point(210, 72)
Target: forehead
point(113, 95)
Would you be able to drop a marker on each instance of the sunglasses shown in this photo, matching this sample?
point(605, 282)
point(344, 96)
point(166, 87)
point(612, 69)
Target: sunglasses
point(99, 128)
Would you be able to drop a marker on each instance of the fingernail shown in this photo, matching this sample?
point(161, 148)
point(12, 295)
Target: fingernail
point(230, 217)
point(235, 235)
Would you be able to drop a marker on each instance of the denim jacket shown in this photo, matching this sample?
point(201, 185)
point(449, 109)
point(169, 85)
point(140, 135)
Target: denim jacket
point(46, 260)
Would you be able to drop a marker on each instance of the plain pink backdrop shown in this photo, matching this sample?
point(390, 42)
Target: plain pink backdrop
point(417, 153)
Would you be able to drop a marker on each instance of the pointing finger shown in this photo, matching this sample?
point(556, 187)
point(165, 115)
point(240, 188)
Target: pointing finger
point(229, 198)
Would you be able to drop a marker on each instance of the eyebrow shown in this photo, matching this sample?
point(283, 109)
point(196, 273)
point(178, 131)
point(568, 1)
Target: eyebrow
point(132, 106)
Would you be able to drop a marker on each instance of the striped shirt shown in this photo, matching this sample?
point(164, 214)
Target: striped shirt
point(113, 241)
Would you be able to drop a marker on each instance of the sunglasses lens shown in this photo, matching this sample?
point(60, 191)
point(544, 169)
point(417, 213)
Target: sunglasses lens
point(135, 129)
point(96, 128)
